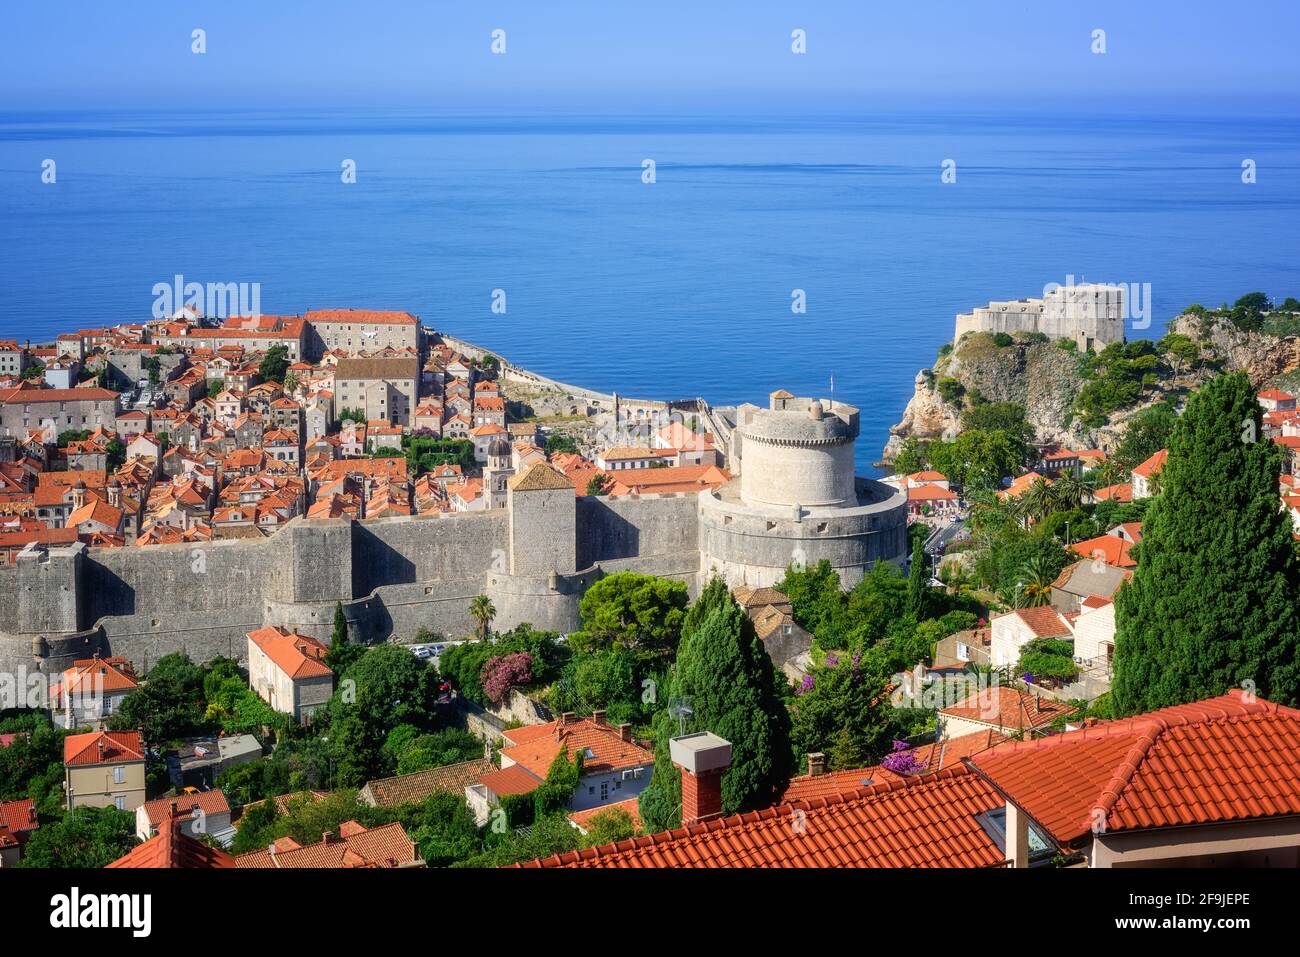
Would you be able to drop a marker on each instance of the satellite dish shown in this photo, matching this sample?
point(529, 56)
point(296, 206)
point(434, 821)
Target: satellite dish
point(682, 709)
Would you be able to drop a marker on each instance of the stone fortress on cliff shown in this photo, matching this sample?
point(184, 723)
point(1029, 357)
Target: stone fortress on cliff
point(1091, 315)
point(794, 499)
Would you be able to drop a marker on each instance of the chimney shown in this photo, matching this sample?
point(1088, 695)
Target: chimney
point(566, 718)
point(625, 732)
point(598, 717)
point(816, 764)
point(100, 744)
point(1017, 824)
point(703, 758)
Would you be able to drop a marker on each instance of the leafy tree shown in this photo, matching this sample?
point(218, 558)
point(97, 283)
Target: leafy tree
point(482, 611)
point(153, 365)
point(978, 459)
point(610, 825)
point(357, 415)
point(1211, 603)
point(1180, 350)
point(401, 688)
point(342, 652)
point(72, 435)
point(1146, 433)
point(274, 364)
point(734, 686)
point(407, 750)
point(950, 390)
point(549, 835)
point(843, 710)
point(90, 837)
point(643, 613)
point(1048, 658)
point(1008, 417)
point(168, 704)
point(816, 597)
point(558, 443)
point(32, 765)
point(599, 484)
point(911, 457)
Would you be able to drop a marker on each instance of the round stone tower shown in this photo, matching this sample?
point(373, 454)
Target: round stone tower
point(795, 452)
point(797, 500)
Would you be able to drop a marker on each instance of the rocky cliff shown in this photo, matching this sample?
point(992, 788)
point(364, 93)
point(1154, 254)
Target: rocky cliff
point(1045, 379)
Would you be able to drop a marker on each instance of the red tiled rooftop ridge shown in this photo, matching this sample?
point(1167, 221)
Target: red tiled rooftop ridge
point(1233, 757)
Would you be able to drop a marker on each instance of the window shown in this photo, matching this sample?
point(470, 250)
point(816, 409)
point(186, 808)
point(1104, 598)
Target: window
point(119, 802)
point(604, 790)
point(119, 775)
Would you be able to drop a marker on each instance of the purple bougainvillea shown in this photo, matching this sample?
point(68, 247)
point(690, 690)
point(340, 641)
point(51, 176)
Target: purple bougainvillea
point(832, 661)
point(902, 760)
point(505, 672)
point(805, 685)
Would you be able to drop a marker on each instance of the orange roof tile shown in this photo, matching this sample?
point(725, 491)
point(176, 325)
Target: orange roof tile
point(1153, 465)
point(1229, 758)
point(386, 846)
point(925, 821)
point(631, 805)
point(1008, 708)
point(119, 747)
point(298, 656)
point(1111, 549)
point(535, 746)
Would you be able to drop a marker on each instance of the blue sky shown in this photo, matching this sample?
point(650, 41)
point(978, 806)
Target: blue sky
point(621, 55)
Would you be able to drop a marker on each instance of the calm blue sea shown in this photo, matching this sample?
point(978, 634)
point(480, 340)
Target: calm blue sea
point(675, 289)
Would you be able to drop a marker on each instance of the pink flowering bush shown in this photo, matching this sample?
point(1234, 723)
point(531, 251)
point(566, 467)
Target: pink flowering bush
point(505, 672)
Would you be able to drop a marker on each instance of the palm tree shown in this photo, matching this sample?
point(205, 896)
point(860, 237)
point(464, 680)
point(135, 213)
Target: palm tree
point(482, 611)
point(1035, 583)
point(1070, 491)
point(1036, 501)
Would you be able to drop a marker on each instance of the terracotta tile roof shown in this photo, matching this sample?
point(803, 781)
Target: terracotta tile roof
point(414, 788)
point(20, 396)
point(936, 756)
point(119, 747)
point(16, 819)
point(171, 848)
point(1021, 484)
point(539, 476)
point(926, 821)
point(662, 481)
point(1152, 465)
point(1044, 621)
point(98, 675)
point(927, 493)
point(535, 747)
point(365, 316)
point(511, 780)
point(1111, 549)
point(1229, 758)
point(386, 846)
point(631, 805)
point(1276, 394)
point(1008, 708)
point(211, 802)
point(749, 598)
point(298, 656)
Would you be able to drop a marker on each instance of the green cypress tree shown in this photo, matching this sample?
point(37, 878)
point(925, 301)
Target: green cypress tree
point(916, 577)
point(1211, 603)
point(734, 688)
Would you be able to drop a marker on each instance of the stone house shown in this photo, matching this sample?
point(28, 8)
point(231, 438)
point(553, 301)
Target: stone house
point(288, 671)
point(104, 769)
